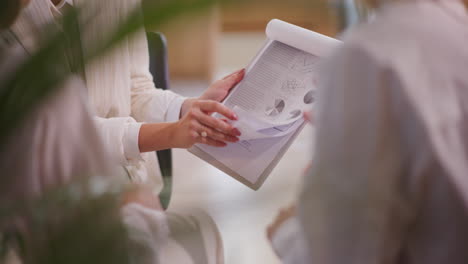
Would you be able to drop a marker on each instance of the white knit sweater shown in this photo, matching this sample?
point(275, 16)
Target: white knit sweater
point(120, 87)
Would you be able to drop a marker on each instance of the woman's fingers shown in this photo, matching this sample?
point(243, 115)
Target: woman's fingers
point(201, 127)
point(212, 142)
point(233, 74)
point(214, 134)
point(234, 78)
point(216, 124)
point(215, 107)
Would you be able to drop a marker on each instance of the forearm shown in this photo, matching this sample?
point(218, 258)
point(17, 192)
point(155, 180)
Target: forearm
point(157, 136)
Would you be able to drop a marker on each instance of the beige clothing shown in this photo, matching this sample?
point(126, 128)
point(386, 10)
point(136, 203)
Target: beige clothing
point(48, 150)
point(122, 83)
point(389, 182)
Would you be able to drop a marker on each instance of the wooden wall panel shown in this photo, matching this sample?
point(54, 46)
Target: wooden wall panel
point(254, 15)
point(193, 39)
point(192, 45)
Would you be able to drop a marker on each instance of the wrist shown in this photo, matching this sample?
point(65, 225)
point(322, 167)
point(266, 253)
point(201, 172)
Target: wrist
point(174, 137)
point(186, 105)
point(157, 136)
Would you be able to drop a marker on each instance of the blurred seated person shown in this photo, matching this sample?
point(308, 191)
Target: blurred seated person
point(58, 141)
point(133, 117)
point(48, 148)
point(388, 183)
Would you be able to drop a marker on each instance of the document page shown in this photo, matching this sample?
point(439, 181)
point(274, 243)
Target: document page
point(270, 102)
point(279, 86)
point(277, 90)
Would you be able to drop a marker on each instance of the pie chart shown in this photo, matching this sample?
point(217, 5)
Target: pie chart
point(309, 97)
point(276, 109)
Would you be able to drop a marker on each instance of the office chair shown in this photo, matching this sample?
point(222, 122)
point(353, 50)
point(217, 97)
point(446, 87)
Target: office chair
point(160, 70)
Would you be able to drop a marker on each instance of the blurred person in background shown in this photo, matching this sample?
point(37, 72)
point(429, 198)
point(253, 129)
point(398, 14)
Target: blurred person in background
point(49, 147)
point(58, 142)
point(133, 117)
point(389, 180)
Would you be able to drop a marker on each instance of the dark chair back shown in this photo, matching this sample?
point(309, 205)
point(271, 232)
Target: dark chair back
point(159, 68)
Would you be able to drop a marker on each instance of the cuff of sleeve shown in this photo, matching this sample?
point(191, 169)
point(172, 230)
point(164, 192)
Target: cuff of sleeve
point(130, 142)
point(147, 226)
point(286, 237)
point(173, 112)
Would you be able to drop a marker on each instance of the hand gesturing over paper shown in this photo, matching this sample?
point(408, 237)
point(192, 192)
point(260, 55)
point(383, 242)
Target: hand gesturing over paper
point(197, 119)
point(220, 89)
point(199, 126)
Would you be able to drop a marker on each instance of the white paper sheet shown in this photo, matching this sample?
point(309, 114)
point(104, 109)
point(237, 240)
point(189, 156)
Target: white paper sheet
point(278, 87)
point(301, 38)
point(253, 128)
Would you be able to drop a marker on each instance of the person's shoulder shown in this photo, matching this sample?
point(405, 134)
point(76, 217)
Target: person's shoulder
point(360, 45)
point(383, 41)
point(401, 33)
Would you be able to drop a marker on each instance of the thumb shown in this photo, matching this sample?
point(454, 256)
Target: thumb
point(234, 73)
point(233, 79)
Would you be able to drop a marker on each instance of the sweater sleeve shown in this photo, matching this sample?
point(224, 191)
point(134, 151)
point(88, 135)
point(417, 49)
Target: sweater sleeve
point(149, 104)
point(120, 136)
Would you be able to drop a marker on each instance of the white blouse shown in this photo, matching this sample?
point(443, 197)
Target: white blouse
point(389, 182)
point(120, 87)
point(122, 92)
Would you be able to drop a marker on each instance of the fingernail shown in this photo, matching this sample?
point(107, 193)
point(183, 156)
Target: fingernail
point(235, 117)
point(237, 132)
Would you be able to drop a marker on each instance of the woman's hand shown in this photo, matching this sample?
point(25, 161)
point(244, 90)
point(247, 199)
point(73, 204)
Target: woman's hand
point(196, 124)
point(216, 92)
point(220, 89)
point(199, 126)
point(280, 219)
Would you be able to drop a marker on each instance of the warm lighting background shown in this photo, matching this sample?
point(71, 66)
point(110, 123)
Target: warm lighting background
point(194, 40)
